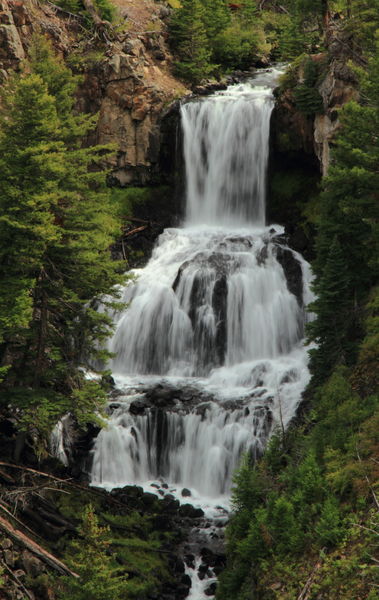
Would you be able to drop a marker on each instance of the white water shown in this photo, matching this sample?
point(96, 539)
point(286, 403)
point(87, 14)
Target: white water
point(210, 316)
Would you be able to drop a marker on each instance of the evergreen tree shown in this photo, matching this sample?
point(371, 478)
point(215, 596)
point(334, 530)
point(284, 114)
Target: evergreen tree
point(292, 39)
point(248, 11)
point(99, 576)
point(30, 168)
point(349, 203)
point(57, 225)
point(332, 307)
point(190, 41)
point(216, 17)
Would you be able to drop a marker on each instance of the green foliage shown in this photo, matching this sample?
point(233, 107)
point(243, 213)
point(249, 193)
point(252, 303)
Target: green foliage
point(105, 8)
point(125, 199)
point(292, 41)
point(349, 216)
point(361, 26)
point(208, 38)
point(99, 576)
point(237, 46)
point(56, 223)
point(328, 529)
point(289, 507)
point(307, 98)
point(190, 41)
point(216, 17)
point(333, 309)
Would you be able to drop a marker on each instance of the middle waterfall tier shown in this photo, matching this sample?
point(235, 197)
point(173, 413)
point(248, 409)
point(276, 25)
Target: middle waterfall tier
point(209, 298)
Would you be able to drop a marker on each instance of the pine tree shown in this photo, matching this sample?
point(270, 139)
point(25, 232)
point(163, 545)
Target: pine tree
point(99, 576)
point(57, 224)
point(30, 167)
point(216, 17)
point(248, 11)
point(349, 203)
point(190, 41)
point(292, 39)
point(333, 308)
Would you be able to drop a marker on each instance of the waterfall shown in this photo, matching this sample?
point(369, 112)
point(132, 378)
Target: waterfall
point(223, 137)
point(209, 355)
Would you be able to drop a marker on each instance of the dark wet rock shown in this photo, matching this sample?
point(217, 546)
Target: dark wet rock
point(201, 409)
point(161, 396)
point(129, 494)
point(149, 499)
point(186, 492)
point(292, 271)
point(204, 571)
point(138, 407)
point(297, 239)
point(189, 511)
point(263, 255)
point(289, 377)
point(189, 560)
point(209, 88)
point(219, 304)
point(108, 382)
point(211, 589)
point(170, 505)
point(186, 580)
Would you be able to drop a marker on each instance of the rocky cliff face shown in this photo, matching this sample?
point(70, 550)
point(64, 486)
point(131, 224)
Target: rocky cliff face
point(338, 87)
point(127, 76)
point(312, 135)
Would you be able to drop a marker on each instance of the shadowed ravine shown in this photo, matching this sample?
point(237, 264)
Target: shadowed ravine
point(209, 355)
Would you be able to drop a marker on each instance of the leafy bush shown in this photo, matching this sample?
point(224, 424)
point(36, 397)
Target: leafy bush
point(237, 46)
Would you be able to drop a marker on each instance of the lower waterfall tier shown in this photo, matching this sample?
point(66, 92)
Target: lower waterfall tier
point(209, 359)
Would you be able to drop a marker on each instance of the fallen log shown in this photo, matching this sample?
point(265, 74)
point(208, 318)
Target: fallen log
point(28, 543)
point(136, 230)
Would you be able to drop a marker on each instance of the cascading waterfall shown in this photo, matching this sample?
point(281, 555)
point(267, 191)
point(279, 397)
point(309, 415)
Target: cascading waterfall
point(223, 138)
point(209, 355)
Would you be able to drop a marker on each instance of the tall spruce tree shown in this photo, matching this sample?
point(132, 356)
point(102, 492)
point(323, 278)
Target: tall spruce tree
point(30, 168)
point(190, 39)
point(57, 224)
point(216, 17)
point(333, 308)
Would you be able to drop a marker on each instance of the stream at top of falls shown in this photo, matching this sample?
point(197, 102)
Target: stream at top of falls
point(209, 355)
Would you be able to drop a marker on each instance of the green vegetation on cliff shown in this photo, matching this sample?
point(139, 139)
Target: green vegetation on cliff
point(57, 223)
point(306, 521)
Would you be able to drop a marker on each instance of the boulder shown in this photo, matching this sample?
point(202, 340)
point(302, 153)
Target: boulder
point(189, 511)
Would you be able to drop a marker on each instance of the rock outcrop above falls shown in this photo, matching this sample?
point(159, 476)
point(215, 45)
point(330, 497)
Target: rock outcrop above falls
point(127, 76)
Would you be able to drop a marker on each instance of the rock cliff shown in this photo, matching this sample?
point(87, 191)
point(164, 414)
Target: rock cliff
point(126, 72)
point(312, 135)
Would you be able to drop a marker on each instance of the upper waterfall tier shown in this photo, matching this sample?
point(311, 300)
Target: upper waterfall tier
point(226, 147)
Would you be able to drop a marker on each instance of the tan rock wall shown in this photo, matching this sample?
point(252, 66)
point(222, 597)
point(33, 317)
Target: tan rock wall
point(130, 84)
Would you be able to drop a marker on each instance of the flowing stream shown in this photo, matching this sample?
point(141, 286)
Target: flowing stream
point(209, 355)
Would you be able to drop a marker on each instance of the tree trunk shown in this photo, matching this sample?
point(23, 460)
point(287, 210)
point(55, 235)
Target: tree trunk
point(28, 543)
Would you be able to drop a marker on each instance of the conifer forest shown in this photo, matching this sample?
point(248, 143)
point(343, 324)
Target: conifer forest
point(189, 307)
